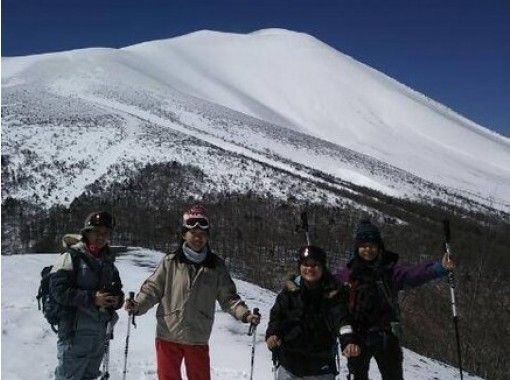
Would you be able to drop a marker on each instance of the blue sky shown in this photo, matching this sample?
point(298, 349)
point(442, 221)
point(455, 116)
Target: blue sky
point(456, 52)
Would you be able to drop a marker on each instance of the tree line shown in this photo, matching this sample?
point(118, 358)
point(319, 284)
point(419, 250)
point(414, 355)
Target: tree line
point(256, 234)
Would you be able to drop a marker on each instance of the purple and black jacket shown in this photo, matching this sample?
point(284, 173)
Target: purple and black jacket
point(379, 310)
point(405, 275)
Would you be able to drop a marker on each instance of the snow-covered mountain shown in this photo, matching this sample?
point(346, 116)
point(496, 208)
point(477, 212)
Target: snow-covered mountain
point(29, 345)
point(271, 111)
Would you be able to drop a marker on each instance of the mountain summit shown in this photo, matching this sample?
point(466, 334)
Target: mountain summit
point(275, 97)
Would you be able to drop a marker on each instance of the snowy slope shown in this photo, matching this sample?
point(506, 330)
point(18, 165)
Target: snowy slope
point(295, 80)
point(301, 107)
point(29, 346)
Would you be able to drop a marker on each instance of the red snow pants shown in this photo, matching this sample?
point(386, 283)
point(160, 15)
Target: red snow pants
point(170, 355)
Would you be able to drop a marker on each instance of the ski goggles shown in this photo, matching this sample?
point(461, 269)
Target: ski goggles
point(192, 223)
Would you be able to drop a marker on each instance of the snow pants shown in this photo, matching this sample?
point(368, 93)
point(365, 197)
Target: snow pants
point(80, 357)
point(283, 374)
point(385, 348)
point(170, 356)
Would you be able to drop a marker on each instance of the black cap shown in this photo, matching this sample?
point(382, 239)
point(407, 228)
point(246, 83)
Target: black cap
point(98, 219)
point(366, 232)
point(313, 253)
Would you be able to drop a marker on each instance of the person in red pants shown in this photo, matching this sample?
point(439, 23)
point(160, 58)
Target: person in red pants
point(186, 285)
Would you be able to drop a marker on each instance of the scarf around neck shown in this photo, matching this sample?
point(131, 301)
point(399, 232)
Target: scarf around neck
point(193, 256)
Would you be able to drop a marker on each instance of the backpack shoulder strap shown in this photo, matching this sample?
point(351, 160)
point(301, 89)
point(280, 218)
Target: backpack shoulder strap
point(75, 260)
point(76, 256)
point(353, 288)
point(389, 293)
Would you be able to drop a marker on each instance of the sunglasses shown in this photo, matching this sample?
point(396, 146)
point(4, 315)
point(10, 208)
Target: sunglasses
point(192, 223)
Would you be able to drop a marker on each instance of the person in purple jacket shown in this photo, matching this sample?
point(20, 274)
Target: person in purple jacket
point(374, 276)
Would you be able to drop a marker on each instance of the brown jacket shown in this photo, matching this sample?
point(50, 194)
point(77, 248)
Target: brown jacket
point(187, 295)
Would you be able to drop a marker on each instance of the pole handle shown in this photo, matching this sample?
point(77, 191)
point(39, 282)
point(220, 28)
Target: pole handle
point(446, 229)
point(131, 314)
point(252, 327)
point(304, 220)
point(304, 225)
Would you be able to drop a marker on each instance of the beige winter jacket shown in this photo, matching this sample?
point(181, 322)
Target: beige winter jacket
point(187, 296)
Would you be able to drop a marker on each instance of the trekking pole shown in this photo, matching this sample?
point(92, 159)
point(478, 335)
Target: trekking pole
point(337, 356)
point(252, 331)
point(304, 226)
point(106, 362)
point(304, 223)
point(106, 359)
point(132, 321)
point(274, 359)
point(451, 281)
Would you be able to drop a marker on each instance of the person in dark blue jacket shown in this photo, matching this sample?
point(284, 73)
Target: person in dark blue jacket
point(87, 286)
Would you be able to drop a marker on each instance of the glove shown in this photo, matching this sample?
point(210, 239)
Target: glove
point(253, 319)
point(273, 341)
point(131, 306)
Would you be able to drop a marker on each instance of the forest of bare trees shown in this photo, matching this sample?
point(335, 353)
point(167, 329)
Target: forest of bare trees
point(257, 236)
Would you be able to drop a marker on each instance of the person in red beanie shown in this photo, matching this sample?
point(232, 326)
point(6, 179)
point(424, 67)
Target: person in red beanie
point(186, 285)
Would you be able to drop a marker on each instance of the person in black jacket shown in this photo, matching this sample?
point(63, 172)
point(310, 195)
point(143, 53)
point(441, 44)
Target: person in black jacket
point(306, 319)
point(86, 285)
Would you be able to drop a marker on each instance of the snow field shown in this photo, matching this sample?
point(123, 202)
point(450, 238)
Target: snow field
point(29, 345)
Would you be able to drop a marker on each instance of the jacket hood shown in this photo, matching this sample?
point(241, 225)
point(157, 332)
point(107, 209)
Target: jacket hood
point(329, 286)
point(292, 283)
point(75, 242)
point(71, 239)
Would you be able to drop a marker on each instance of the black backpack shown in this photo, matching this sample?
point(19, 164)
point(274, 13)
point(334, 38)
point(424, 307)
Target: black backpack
point(51, 309)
